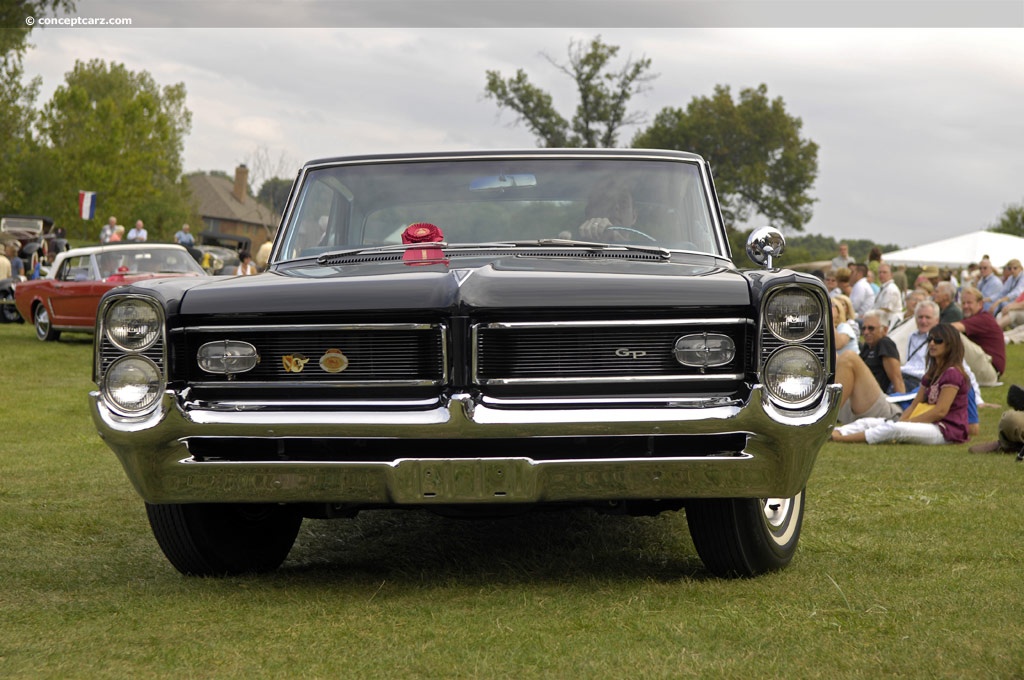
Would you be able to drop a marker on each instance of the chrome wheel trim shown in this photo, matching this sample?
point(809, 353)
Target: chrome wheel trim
point(779, 519)
point(42, 320)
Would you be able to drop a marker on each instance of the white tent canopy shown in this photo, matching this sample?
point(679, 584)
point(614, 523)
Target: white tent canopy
point(961, 251)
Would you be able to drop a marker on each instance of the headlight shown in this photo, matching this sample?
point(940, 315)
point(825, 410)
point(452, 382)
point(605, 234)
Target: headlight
point(227, 357)
point(703, 350)
point(793, 376)
point(793, 314)
point(132, 384)
point(132, 324)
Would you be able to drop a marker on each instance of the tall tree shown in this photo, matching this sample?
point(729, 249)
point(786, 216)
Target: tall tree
point(604, 96)
point(1011, 221)
point(761, 163)
point(118, 133)
point(17, 98)
point(274, 193)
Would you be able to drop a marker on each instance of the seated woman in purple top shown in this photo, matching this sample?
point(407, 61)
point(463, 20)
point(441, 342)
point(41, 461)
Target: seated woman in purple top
point(943, 389)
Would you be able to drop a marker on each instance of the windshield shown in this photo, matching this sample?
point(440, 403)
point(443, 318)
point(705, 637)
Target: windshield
point(607, 200)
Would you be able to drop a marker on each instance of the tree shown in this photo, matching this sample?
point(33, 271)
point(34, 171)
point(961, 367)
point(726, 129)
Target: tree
point(14, 29)
point(17, 98)
point(116, 132)
point(274, 193)
point(1011, 221)
point(603, 97)
point(761, 164)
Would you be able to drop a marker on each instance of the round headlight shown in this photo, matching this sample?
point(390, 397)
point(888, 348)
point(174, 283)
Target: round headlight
point(132, 384)
point(793, 314)
point(132, 324)
point(793, 376)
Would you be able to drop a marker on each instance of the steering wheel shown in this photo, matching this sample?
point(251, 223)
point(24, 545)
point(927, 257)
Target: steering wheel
point(633, 231)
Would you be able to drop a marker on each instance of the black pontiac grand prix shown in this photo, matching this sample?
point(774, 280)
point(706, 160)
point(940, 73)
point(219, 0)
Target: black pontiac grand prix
point(476, 333)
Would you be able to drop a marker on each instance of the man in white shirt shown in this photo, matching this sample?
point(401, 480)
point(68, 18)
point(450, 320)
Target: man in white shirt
point(889, 299)
point(138, 233)
point(861, 294)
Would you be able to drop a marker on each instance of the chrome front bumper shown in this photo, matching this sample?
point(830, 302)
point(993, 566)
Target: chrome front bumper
point(776, 461)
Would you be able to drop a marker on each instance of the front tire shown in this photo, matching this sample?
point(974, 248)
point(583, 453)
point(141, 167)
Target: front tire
point(44, 328)
point(743, 537)
point(223, 539)
point(8, 312)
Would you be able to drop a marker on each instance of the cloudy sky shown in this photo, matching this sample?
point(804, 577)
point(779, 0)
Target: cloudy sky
point(917, 115)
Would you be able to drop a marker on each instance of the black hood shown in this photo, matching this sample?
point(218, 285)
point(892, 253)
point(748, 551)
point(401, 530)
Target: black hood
point(473, 284)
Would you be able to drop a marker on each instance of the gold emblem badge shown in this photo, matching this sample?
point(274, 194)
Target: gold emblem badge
point(294, 363)
point(333, 361)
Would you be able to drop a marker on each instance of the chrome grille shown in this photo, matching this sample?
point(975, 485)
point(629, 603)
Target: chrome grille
point(376, 353)
point(597, 351)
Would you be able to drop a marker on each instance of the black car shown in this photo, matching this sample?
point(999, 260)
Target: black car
point(476, 332)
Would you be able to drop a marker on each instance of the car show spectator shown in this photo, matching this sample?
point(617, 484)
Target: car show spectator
point(263, 254)
point(888, 299)
point(183, 237)
point(985, 348)
point(247, 267)
point(118, 234)
point(108, 230)
point(880, 354)
point(989, 282)
point(862, 397)
point(846, 336)
point(945, 297)
point(831, 283)
point(138, 233)
point(843, 259)
point(5, 267)
point(861, 293)
point(17, 265)
point(1012, 314)
point(938, 413)
point(1013, 286)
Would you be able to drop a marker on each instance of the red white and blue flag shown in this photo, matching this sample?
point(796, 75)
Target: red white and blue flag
point(87, 204)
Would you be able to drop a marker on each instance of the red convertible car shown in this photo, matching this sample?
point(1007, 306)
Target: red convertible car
point(67, 299)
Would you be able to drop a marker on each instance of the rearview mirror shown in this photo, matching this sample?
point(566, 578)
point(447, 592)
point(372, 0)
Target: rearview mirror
point(502, 182)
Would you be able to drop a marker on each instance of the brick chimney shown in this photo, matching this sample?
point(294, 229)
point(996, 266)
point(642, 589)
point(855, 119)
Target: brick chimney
point(241, 190)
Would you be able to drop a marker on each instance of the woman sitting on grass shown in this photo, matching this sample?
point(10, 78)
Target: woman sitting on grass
point(942, 396)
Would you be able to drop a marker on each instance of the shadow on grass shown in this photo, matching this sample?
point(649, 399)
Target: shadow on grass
point(420, 548)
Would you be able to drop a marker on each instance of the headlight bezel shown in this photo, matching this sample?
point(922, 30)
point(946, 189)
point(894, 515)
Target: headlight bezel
point(143, 363)
point(108, 353)
point(151, 336)
point(776, 326)
point(815, 342)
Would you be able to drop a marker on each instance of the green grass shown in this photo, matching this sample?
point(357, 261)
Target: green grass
point(911, 565)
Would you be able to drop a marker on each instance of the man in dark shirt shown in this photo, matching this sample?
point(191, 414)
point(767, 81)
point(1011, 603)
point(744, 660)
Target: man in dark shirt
point(945, 297)
point(880, 353)
point(982, 329)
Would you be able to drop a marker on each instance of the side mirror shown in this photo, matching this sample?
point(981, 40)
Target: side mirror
point(765, 244)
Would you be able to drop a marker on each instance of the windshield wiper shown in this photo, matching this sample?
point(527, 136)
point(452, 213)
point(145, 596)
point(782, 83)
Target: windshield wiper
point(573, 243)
point(664, 253)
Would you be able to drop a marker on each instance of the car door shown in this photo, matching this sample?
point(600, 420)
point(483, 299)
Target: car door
point(76, 292)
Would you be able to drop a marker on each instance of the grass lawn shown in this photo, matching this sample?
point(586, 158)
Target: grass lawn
point(911, 564)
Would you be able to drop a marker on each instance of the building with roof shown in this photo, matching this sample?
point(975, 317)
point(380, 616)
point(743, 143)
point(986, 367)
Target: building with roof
point(227, 209)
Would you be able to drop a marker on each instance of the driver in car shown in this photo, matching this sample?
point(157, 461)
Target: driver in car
point(609, 205)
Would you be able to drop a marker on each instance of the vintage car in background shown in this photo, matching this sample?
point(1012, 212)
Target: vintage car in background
point(38, 242)
point(217, 260)
point(476, 333)
point(68, 297)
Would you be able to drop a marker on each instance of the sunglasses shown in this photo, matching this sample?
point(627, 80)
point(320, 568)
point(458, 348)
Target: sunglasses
point(871, 328)
point(936, 340)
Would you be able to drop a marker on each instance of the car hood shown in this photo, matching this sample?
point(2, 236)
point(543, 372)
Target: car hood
point(503, 283)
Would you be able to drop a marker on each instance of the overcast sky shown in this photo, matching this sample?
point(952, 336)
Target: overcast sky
point(919, 129)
